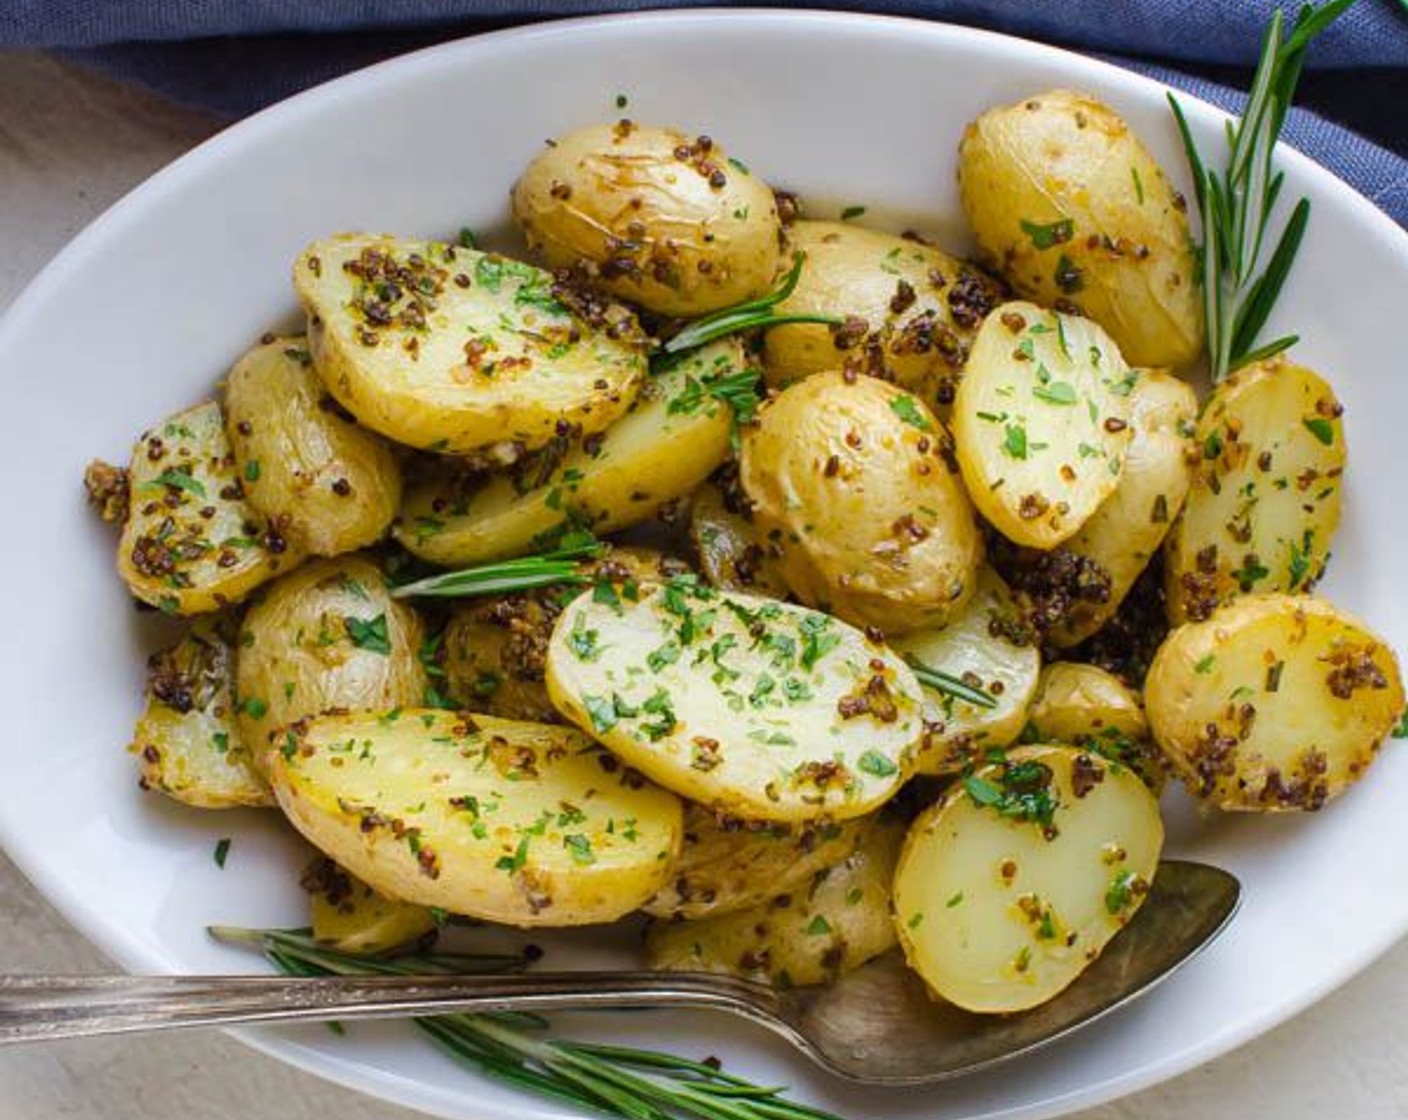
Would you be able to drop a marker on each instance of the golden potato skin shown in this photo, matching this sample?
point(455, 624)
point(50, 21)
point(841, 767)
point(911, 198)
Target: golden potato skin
point(846, 475)
point(1085, 706)
point(731, 554)
point(326, 636)
point(919, 305)
point(1069, 206)
point(329, 485)
point(1266, 491)
point(192, 542)
point(1275, 703)
point(652, 216)
point(347, 915)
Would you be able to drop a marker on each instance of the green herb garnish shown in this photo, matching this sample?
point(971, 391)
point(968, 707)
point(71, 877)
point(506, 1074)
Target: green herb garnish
point(369, 633)
point(950, 685)
point(557, 566)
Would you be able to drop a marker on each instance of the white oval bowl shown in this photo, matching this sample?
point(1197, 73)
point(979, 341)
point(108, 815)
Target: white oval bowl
point(147, 308)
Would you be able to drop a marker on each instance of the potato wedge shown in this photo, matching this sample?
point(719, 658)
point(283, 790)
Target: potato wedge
point(1276, 702)
point(186, 737)
point(810, 935)
point(1266, 492)
point(1126, 531)
point(1068, 204)
point(729, 865)
point(1041, 420)
point(847, 476)
point(326, 636)
point(350, 917)
point(448, 349)
point(911, 310)
point(328, 485)
point(731, 554)
point(1017, 879)
point(989, 648)
point(518, 823)
point(1084, 706)
point(674, 436)
point(654, 216)
point(755, 708)
point(191, 542)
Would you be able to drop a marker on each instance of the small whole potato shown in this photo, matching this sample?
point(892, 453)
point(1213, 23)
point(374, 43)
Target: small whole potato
point(847, 475)
point(656, 217)
point(1069, 206)
point(329, 485)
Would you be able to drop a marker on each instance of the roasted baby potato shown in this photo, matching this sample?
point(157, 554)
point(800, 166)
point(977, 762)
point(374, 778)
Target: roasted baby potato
point(1041, 420)
point(847, 476)
point(674, 436)
point(1013, 883)
point(910, 310)
point(1085, 706)
point(652, 216)
point(348, 916)
point(328, 485)
point(755, 708)
point(1266, 491)
point(731, 554)
point(1125, 532)
point(192, 542)
point(812, 934)
point(988, 648)
point(726, 865)
point(518, 823)
point(1275, 702)
point(448, 349)
point(326, 636)
point(186, 737)
point(1070, 207)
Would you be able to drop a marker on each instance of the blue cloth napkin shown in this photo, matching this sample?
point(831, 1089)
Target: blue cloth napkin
point(188, 48)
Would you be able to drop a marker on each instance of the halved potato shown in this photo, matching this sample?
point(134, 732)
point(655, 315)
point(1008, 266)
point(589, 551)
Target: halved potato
point(1084, 706)
point(1041, 420)
point(518, 823)
point(192, 542)
point(1275, 702)
point(674, 436)
point(328, 485)
point(732, 555)
point(988, 648)
point(350, 917)
point(1013, 883)
point(1125, 532)
point(1265, 499)
point(755, 708)
point(448, 349)
point(910, 310)
point(809, 935)
point(186, 737)
point(728, 864)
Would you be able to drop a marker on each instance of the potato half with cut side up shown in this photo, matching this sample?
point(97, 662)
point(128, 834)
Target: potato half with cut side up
point(449, 349)
point(812, 934)
point(350, 917)
point(674, 436)
point(192, 542)
point(1276, 702)
point(1041, 421)
point(848, 477)
point(1013, 883)
point(1068, 204)
point(757, 709)
point(519, 823)
point(1266, 492)
point(662, 219)
point(732, 556)
point(1085, 706)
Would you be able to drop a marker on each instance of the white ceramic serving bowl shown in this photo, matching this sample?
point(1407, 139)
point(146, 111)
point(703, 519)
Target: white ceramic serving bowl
point(144, 311)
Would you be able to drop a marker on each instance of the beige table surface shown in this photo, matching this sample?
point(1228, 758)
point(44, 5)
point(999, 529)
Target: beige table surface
point(70, 144)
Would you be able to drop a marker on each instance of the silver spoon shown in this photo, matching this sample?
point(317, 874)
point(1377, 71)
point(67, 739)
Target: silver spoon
point(875, 1025)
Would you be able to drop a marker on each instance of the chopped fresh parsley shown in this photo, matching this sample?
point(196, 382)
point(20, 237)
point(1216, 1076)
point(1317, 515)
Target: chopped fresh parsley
point(222, 852)
point(1049, 234)
point(1321, 429)
point(369, 633)
point(908, 411)
point(876, 765)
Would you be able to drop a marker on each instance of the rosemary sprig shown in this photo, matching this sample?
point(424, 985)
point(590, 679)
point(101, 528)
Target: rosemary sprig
point(950, 685)
point(522, 574)
point(1236, 204)
point(745, 316)
point(612, 1080)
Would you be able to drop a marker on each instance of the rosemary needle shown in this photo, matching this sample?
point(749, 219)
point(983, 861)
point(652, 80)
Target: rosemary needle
point(745, 316)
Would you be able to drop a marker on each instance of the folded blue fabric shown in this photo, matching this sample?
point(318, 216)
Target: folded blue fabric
point(135, 37)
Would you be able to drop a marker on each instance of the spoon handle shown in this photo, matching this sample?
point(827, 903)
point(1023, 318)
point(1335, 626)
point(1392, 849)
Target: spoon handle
point(39, 1008)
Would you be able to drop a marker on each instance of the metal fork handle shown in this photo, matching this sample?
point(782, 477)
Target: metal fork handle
point(40, 1008)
